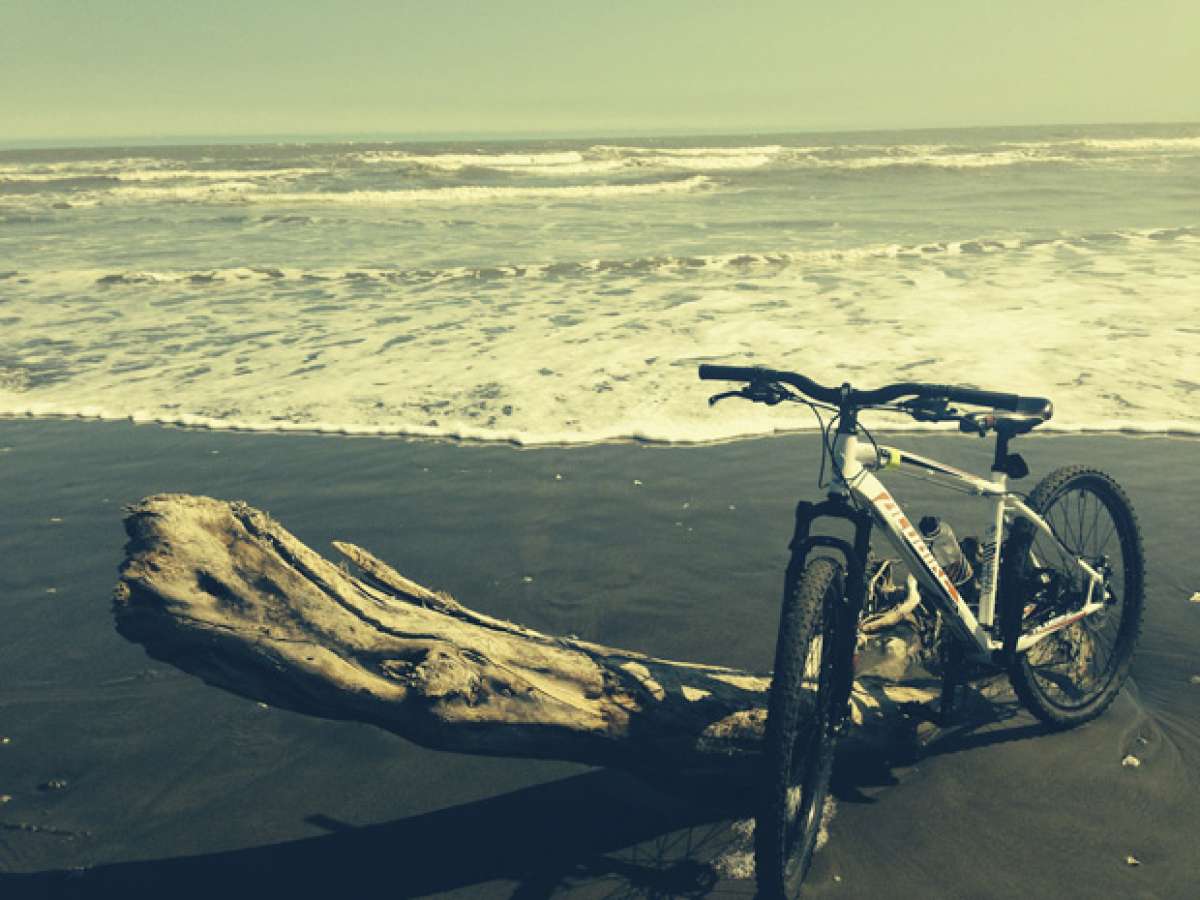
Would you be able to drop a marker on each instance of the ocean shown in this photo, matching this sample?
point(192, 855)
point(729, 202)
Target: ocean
point(564, 291)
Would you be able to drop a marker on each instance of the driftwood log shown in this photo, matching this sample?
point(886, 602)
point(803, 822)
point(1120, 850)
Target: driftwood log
point(224, 592)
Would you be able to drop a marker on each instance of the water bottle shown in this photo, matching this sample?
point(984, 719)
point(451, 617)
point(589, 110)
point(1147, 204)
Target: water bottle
point(944, 547)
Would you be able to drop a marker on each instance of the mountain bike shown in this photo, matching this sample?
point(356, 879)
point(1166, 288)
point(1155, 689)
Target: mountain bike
point(1052, 593)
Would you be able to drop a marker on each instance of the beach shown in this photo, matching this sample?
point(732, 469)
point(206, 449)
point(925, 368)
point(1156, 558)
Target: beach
point(430, 298)
point(124, 775)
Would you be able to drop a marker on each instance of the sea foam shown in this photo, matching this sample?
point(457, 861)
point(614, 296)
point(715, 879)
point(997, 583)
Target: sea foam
point(566, 292)
point(753, 263)
point(534, 360)
point(251, 192)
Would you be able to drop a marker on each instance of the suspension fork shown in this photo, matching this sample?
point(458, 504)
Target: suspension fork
point(855, 560)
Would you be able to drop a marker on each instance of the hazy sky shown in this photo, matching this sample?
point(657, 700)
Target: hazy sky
point(145, 68)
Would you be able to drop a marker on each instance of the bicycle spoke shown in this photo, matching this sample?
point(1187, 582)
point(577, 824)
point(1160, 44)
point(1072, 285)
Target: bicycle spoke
point(1083, 515)
point(1066, 561)
point(1112, 529)
point(1057, 673)
point(1070, 539)
point(1060, 519)
point(1096, 519)
point(1098, 644)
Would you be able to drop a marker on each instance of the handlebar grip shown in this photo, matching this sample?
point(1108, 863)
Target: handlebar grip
point(731, 373)
point(994, 399)
point(1030, 406)
point(1035, 406)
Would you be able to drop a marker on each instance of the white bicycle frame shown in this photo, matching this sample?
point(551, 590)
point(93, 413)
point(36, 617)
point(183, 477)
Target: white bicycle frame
point(851, 477)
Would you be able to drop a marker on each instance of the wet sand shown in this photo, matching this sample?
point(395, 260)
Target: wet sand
point(127, 776)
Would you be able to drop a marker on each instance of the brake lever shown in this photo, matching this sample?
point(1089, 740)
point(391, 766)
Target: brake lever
point(933, 410)
point(768, 392)
point(717, 398)
point(977, 423)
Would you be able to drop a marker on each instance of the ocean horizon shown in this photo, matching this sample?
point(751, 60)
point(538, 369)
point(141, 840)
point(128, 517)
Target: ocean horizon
point(200, 139)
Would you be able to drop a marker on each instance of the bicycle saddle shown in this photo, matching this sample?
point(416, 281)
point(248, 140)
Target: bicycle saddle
point(1005, 423)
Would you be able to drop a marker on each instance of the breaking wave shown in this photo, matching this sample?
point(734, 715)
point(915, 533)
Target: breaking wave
point(511, 292)
point(345, 169)
point(749, 262)
point(248, 192)
point(649, 432)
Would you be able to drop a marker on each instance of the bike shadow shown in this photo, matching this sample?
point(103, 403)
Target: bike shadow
point(987, 714)
point(604, 830)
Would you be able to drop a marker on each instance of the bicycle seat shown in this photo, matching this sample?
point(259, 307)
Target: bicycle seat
point(1005, 423)
point(1015, 423)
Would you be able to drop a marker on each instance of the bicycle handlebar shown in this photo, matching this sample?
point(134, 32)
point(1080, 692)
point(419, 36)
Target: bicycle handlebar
point(1034, 406)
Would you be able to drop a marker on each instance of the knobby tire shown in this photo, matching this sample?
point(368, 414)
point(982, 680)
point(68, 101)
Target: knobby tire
point(800, 734)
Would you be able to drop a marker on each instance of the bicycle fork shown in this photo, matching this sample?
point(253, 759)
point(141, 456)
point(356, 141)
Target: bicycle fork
point(854, 556)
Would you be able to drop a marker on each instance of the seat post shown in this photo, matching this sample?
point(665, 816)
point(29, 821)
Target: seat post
point(1000, 460)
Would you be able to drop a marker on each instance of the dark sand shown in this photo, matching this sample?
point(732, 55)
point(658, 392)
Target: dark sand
point(173, 788)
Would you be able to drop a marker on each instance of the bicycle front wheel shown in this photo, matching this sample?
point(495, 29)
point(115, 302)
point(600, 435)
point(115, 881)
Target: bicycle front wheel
point(1071, 676)
point(800, 734)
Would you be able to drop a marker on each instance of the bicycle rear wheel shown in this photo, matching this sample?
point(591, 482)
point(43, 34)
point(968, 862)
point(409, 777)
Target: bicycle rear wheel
point(800, 735)
point(1073, 675)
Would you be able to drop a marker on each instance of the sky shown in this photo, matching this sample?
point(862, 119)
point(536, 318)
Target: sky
point(74, 70)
